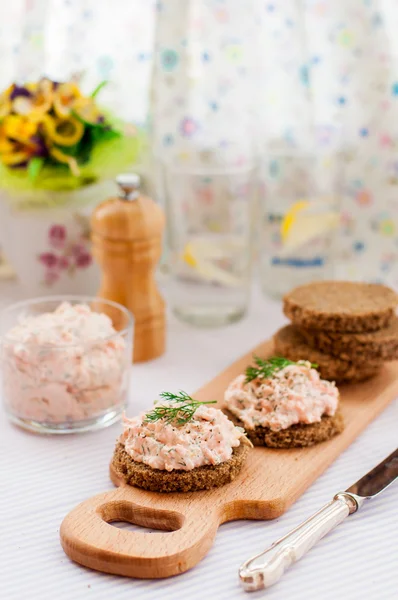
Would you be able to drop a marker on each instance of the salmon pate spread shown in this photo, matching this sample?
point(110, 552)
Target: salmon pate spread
point(207, 439)
point(63, 366)
point(293, 394)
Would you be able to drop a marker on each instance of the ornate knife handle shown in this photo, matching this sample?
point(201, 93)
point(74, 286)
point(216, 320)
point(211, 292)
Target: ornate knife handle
point(267, 568)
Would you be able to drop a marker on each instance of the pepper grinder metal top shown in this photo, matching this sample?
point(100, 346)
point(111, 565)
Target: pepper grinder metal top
point(126, 233)
point(129, 184)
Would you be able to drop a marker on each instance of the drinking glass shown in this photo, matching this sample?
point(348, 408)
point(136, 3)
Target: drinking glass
point(300, 204)
point(209, 208)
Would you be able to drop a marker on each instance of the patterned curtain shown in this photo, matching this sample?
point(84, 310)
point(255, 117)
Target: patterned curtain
point(260, 73)
point(102, 39)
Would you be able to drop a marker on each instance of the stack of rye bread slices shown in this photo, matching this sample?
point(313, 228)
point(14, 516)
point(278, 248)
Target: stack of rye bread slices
point(348, 329)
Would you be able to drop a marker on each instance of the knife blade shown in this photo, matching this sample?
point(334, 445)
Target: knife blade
point(267, 568)
point(378, 479)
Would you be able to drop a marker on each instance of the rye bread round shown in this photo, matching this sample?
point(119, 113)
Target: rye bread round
point(341, 306)
point(290, 343)
point(295, 436)
point(200, 478)
point(372, 345)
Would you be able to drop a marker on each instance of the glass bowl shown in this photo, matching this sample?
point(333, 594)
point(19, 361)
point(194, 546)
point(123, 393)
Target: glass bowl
point(68, 377)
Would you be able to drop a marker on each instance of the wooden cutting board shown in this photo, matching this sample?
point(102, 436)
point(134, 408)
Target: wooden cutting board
point(270, 481)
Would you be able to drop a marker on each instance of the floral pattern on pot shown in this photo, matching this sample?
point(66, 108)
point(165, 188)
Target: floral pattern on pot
point(65, 254)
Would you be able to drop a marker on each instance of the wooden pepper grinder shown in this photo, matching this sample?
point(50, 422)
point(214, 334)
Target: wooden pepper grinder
point(127, 240)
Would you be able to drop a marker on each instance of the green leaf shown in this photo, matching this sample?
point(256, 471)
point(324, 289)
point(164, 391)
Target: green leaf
point(69, 150)
point(178, 414)
point(99, 88)
point(101, 134)
point(34, 167)
point(101, 131)
point(268, 367)
point(86, 146)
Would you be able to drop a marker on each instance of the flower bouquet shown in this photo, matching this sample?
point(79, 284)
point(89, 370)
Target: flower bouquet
point(52, 137)
point(59, 152)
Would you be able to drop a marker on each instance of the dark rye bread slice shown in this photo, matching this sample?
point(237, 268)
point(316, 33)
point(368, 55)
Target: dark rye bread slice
point(295, 436)
point(291, 344)
point(200, 478)
point(341, 306)
point(373, 345)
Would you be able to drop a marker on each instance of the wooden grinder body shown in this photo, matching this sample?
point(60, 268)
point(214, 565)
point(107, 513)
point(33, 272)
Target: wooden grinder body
point(127, 243)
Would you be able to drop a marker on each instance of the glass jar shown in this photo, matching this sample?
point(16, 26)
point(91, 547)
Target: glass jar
point(68, 373)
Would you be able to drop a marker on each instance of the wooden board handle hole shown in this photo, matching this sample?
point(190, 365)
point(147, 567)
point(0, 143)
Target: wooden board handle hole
point(128, 512)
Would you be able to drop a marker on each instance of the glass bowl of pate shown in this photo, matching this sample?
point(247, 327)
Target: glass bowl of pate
point(65, 363)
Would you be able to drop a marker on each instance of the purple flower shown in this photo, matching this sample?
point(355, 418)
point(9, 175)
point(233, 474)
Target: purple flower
point(48, 259)
point(41, 149)
point(57, 236)
point(83, 260)
point(19, 90)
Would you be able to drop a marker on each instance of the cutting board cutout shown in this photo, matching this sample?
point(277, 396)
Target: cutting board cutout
point(270, 481)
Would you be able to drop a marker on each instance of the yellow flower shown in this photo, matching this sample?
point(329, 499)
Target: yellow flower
point(32, 86)
point(46, 119)
point(65, 97)
point(65, 132)
point(86, 109)
point(5, 145)
point(15, 152)
point(5, 102)
point(44, 96)
point(5, 108)
point(19, 128)
point(15, 158)
point(22, 105)
point(37, 100)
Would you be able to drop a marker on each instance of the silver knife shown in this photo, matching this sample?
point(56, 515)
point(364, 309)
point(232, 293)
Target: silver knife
point(267, 568)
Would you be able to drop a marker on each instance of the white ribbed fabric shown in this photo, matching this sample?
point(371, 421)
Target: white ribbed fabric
point(43, 478)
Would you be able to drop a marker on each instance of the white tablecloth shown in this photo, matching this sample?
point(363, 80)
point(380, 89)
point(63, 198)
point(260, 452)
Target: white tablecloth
point(42, 478)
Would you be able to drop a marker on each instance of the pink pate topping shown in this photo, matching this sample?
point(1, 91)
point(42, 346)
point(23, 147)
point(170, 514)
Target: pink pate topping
point(208, 439)
point(63, 366)
point(295, 394)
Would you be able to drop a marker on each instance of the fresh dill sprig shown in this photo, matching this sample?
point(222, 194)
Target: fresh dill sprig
point(266, 367)
point(183, 411)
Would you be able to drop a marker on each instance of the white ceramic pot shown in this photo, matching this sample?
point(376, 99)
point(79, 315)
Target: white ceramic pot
point(47, 242)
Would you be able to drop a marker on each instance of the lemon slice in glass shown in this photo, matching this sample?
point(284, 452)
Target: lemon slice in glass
point(307, 220)
point(188, 256)
point(201, 255)
point(291, 216)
